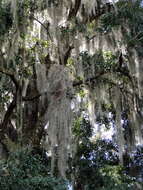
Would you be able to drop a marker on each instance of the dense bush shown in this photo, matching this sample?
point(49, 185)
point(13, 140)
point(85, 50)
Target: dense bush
point(27, 170)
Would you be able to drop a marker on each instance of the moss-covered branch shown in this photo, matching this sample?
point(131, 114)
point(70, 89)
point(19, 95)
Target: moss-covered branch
point(11, 75)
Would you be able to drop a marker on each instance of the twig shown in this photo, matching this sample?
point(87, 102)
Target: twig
point(46, 28)
point(91, 38)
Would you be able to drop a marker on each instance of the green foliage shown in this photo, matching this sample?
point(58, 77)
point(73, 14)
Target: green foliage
point(25, 11)
point(102, 61)
point(114, 178)
point(5, 18)
point(53, 2)
point(82, 128)
point(108, 21)
point(96, 164)
point(26, 170)
point(128, 15)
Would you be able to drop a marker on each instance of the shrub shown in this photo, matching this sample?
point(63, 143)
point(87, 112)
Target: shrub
point(26, 170)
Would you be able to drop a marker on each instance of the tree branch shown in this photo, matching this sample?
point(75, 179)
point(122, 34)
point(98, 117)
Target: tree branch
point(44, 26)
point(86, 82)
point(31, 98)
point(11, 75)
point(92, 37)
point(11, 107)
point(39, 22)
point(67, 54)
point(73, 10)
point(80, 82)
point(3, 126)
